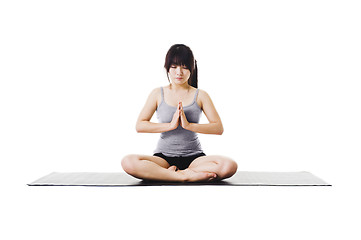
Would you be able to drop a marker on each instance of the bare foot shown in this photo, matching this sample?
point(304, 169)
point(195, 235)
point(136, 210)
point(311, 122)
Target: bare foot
point(173, 168)
point(193, 176)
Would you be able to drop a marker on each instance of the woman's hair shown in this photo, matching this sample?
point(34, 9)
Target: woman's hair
point(182, 55)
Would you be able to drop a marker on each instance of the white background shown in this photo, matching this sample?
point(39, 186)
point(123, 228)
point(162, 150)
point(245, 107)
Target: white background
point(284, 76)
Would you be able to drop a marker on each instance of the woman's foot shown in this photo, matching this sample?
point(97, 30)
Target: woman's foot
point(173, 168)
point(193, 176)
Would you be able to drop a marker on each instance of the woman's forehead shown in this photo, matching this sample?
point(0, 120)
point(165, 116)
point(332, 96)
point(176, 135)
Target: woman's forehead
point(179, 61)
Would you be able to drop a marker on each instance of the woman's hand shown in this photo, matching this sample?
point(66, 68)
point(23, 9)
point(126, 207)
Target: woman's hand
point(184, 121)
point(179, 117)
point(175, 121)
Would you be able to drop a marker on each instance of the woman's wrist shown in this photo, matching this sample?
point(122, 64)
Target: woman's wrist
point(170, 127)
point(189, 126)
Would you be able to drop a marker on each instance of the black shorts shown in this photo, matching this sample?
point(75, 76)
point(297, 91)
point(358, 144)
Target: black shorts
point(180, 162)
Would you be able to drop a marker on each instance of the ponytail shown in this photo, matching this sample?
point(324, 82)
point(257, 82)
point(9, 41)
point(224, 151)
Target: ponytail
point(193, 80)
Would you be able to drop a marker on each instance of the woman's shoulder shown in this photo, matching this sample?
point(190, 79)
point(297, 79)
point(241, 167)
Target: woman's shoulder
point(202, 98)
point(159, 89)
point(156, 91)
point(202, 94)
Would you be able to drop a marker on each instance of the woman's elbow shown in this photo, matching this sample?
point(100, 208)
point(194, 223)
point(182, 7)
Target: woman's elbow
point(220, 130)
point(138, 127)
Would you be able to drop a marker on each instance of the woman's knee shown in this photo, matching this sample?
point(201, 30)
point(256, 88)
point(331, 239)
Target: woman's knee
point(228, 168)
point(129, 163)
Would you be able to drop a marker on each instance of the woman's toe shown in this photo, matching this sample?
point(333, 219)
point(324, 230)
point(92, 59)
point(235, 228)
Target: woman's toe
point(173, 168)
point(212, 176)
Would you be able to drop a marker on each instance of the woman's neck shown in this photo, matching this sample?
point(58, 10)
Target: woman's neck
point(183, 87)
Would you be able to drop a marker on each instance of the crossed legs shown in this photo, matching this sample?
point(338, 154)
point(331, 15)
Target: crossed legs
point(205, 168)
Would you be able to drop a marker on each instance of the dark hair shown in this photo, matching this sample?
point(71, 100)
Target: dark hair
point(182, 55)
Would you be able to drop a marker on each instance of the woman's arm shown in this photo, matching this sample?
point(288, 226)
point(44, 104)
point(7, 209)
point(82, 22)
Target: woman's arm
point(143, 123)
point(215, 124)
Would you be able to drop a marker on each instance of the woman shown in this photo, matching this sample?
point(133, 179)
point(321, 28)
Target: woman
point(179, 156)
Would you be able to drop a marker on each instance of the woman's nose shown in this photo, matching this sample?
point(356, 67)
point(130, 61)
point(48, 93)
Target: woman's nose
point(179, 70)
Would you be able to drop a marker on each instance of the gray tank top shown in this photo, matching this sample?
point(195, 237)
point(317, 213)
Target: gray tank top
point(178, 142)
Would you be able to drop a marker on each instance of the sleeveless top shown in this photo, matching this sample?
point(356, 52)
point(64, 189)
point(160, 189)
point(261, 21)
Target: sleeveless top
point(178, 142)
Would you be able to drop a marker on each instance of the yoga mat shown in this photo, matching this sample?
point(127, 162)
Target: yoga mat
point(241, 178)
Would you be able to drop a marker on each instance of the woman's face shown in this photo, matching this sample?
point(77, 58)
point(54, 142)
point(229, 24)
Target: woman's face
point(179, 74)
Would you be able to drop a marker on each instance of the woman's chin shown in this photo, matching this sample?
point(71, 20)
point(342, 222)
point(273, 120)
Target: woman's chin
point(179, 82)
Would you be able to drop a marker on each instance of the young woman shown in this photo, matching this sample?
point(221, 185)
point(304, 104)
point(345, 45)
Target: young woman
point(179, 156)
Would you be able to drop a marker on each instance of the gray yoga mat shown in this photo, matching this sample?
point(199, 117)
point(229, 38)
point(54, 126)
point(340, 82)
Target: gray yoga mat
point(119, 179)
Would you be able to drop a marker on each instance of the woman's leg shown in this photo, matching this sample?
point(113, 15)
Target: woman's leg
point(224, 167)
point(148, 167)
point(156, 168)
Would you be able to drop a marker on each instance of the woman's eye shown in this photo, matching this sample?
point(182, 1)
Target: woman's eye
point(174, 66)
